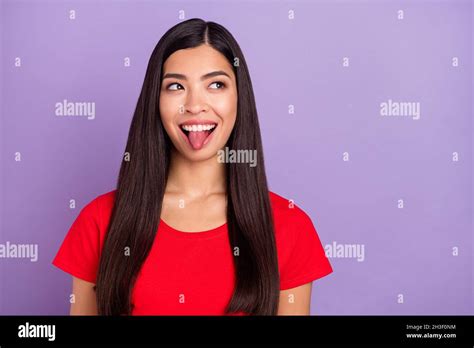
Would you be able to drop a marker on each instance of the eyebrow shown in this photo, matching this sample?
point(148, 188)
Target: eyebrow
point(203, 77)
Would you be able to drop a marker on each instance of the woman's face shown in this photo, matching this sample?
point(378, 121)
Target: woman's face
point(198, 101)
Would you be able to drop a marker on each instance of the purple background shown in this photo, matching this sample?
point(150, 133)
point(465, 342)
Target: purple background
point(337, 109)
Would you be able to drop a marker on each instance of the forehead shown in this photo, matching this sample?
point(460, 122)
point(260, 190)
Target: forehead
point(196, 61)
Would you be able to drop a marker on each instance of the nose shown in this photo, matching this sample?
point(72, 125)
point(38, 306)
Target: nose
point(195, 103)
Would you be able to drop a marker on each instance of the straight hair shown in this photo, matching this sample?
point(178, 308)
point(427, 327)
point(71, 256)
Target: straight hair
point(142, 180)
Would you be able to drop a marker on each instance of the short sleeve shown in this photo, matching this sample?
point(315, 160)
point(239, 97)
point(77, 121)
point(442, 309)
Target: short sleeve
point(79, 252)
point(307, 261)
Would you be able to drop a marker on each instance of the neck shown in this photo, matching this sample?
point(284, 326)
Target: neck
point(195, 178)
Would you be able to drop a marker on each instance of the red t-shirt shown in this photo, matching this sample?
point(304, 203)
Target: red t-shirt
point(192, 273)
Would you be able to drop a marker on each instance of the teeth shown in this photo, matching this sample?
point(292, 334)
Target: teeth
point(198, 127)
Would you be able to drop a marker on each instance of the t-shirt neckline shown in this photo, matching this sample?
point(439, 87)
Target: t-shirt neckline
point(194, 235)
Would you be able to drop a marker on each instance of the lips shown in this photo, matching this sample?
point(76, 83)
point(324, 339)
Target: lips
point(198, 132)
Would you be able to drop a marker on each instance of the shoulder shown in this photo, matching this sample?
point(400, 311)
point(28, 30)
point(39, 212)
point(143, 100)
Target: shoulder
point(105, 200)
point(290, 223)
point(105, 203)
point(99, 209)
point(286, 212)
point(100, 202)
point(301, 255)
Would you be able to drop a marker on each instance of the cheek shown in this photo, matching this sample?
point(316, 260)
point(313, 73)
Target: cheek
point(226, 108)
point(168, 109)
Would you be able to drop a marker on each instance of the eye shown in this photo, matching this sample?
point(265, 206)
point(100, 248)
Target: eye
point(173, 84)
point(218, 82)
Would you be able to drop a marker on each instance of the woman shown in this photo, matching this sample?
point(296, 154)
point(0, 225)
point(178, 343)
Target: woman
point(185, 232)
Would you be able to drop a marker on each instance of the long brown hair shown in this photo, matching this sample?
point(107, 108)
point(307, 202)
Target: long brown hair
point(142, 180)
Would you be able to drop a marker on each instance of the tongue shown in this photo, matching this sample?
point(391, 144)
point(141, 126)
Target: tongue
point(197, 139)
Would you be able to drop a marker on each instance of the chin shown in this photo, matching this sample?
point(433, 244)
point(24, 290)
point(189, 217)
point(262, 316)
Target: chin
point(202, 156)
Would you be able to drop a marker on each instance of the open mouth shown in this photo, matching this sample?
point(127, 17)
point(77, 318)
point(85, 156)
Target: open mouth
point(198, 135)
